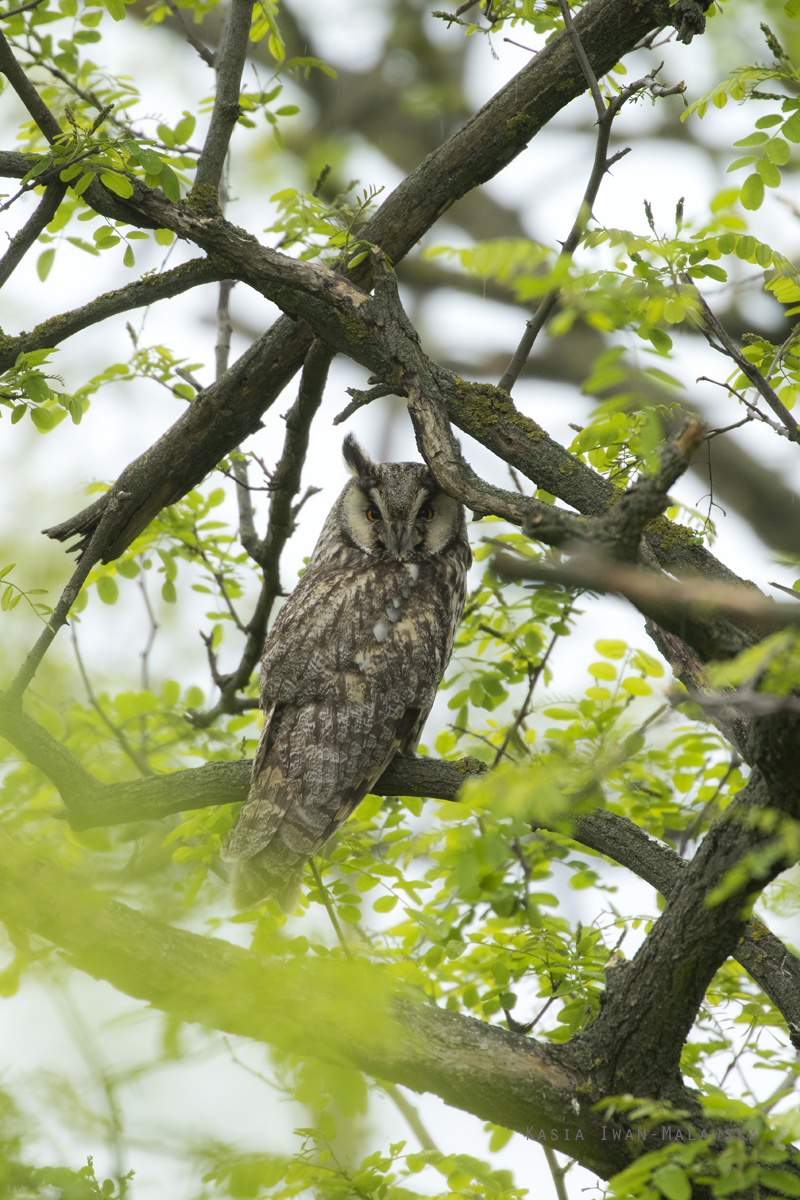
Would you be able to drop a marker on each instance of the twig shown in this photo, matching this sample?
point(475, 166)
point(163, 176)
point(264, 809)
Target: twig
point(13, 12)
point(534, 679)
point(138, 761)
point(782, 587)
point(511, 42)
point(586, 66)
point(360, 399)
point(691, 830)
point(207, 55)
point(91, 555)
point(284, 486)
point(712, 328)
point(151, 637)
point(557, 1172)
point(226, 109)
point(224, 327)
point(21, 243)
point(411, 1115)
point(752, 407)
point(326, 900)
point(602, 163)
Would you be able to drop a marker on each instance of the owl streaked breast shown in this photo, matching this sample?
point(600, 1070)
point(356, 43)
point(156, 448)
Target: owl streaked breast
point(351, 667)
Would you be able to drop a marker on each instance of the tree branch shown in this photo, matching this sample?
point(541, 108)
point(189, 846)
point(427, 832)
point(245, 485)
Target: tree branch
point(27, 93)
point(91, 804)
point(602, 163)
point(480, 1068)
point(492, 138)
point(225, 112)
point(139, 294)
point(284, 486)
point(684, 609)
point(25, 238)
point(713, 329)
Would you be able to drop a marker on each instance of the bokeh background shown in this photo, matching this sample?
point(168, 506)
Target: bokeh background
point(96, 1070)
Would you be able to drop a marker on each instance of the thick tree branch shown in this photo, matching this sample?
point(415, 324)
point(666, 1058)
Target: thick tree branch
point(718, 621)
point(299, 1006)
point(36, 224)
point(490, 139)
point(90, 804)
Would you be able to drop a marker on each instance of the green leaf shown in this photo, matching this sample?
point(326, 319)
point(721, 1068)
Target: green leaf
point(768, 172)
point(663, 377)
point(36, 389)
point(168, 592)
point(601, 670)
point(672, 1181)
point(42, 419)
point(166, 135)
point(116, 8)
point(165, 237)
point(792, 8)
point(169, 183)
point(752, 193)
point(44, 263)
point(611, 649)
point(385, 904)
point(107, 589)
point(184, 129)
point(754, 139)
point(128, 258)
point(791, 128)
point(780, 1181)
point(5, 570)
point(119, 184)
point(637, 687)
point(777, 151)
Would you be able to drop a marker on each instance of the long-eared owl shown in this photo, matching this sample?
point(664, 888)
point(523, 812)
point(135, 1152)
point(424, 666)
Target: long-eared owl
point(350, 668)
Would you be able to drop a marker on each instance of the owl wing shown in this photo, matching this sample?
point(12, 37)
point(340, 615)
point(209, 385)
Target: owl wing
point(351, 666)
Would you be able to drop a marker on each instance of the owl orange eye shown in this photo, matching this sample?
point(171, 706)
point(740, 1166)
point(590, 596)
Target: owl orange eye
point(373, 514)
point(428, 513)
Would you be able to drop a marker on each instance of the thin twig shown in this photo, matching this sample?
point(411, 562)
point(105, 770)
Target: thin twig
point(782, 587)
point(582, 57)
point(224, 327)
point(602, 163)
point(411, 1115)
point(326, 900)
point(713, 329)
point(747, 403)
point(145, 655)
point(557, 1172)
point(138, 761)
point(13, 12)
point(534, 679)
point(58, 618)
point(207, 55)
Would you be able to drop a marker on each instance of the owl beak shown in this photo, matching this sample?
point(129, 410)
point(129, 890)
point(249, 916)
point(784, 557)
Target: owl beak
point(400, 538)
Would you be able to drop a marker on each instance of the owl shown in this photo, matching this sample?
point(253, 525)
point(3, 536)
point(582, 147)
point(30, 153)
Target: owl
point(350, 668)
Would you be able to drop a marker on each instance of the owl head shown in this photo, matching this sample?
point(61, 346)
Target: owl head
point(395, 510)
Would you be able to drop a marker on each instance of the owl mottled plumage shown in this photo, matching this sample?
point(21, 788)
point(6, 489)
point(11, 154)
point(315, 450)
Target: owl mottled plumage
point(350, 667)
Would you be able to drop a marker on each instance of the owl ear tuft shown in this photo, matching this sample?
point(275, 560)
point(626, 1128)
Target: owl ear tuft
point(357, 462)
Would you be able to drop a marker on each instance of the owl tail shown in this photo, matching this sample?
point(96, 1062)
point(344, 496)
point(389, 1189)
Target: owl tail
point(256, 879)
